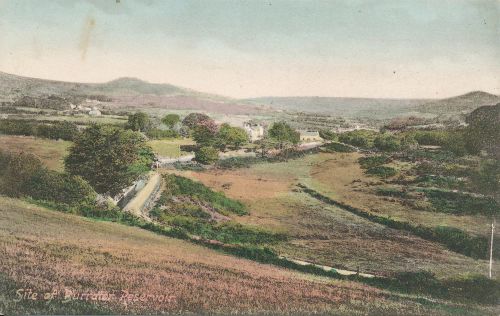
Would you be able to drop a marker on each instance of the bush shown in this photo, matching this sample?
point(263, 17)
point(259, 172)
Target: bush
point(16, 171)
point(206, 155)
point(237, 162)
point(24, 175)
point(387, 142)
point(382, 171)
point(373, 161)
point(60, 187)
point(461, 203)
point(156, 133)
point(476, 288)
point(18, 127)
point(359, 138)
point(177, 185)
point(328, 135)
point(58, 130)
point(393, 192)
point(337, 147)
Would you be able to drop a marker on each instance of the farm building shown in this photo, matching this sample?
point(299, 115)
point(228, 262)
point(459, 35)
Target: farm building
point(95, 112)
point(255, 131)
point(309, 136)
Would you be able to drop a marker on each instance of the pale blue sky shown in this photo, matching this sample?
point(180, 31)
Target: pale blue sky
point(374, 48)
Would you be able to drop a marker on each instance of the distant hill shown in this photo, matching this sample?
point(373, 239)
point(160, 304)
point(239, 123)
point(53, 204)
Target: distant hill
point(124, 93)
point(460, 104)
point(347, 107)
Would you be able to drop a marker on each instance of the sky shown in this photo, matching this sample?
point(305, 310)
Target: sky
point(345, 48)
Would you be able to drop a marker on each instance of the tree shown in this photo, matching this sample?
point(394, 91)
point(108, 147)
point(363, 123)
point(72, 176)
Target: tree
point(283, 134)
point(206, 155)
point(139, 122)
point(170, 120)
point(204, 134)
point(107, 157)
point(194, 119)
point(231, 136)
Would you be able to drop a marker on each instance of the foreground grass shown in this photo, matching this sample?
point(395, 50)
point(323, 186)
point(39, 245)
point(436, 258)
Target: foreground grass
point(46, 251)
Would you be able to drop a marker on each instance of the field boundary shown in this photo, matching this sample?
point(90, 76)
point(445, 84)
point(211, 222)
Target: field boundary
point(477, 246)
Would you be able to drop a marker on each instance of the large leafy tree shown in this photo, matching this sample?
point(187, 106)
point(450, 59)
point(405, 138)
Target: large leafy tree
point(108, 157)
point(231, 136)
point(139, 122)
point(194, 119)
point(205, 133)
point(284, 135)
point(170, 120)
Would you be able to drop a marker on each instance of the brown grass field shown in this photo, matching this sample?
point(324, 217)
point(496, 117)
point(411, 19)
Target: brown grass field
point(51, 152)
point(325, 234)
point(48, 251)
point(334, 176)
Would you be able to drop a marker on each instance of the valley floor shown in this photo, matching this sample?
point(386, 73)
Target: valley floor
point(328, 235)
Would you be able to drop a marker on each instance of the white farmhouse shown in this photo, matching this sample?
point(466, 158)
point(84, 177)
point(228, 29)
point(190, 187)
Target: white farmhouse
point(95, 112)
point(255, 131)
point(309, 136)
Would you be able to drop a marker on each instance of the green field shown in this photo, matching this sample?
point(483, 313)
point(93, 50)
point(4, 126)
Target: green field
point(170, 147)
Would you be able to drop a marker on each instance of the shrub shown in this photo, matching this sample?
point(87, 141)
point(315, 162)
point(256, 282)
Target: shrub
point(227, 232)
point(17, 170)
point(382, 171)
point(393, 192)
point(387, 142)
point(156, 133)
point(328, 135)
point(477, 288)
point(59, 130)
point(359, 138)
point(461, 203)
point(373, 161)
point(337, 147)
point(177, 185)
point(17, 127)
point(237, 162)
point(60, 187)
point(206, 155)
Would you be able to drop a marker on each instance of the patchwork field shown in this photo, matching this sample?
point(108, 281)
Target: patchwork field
point(46, 251)
point(326, 234)
point(51, 152)
point(169, 147)
point(340, 177)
